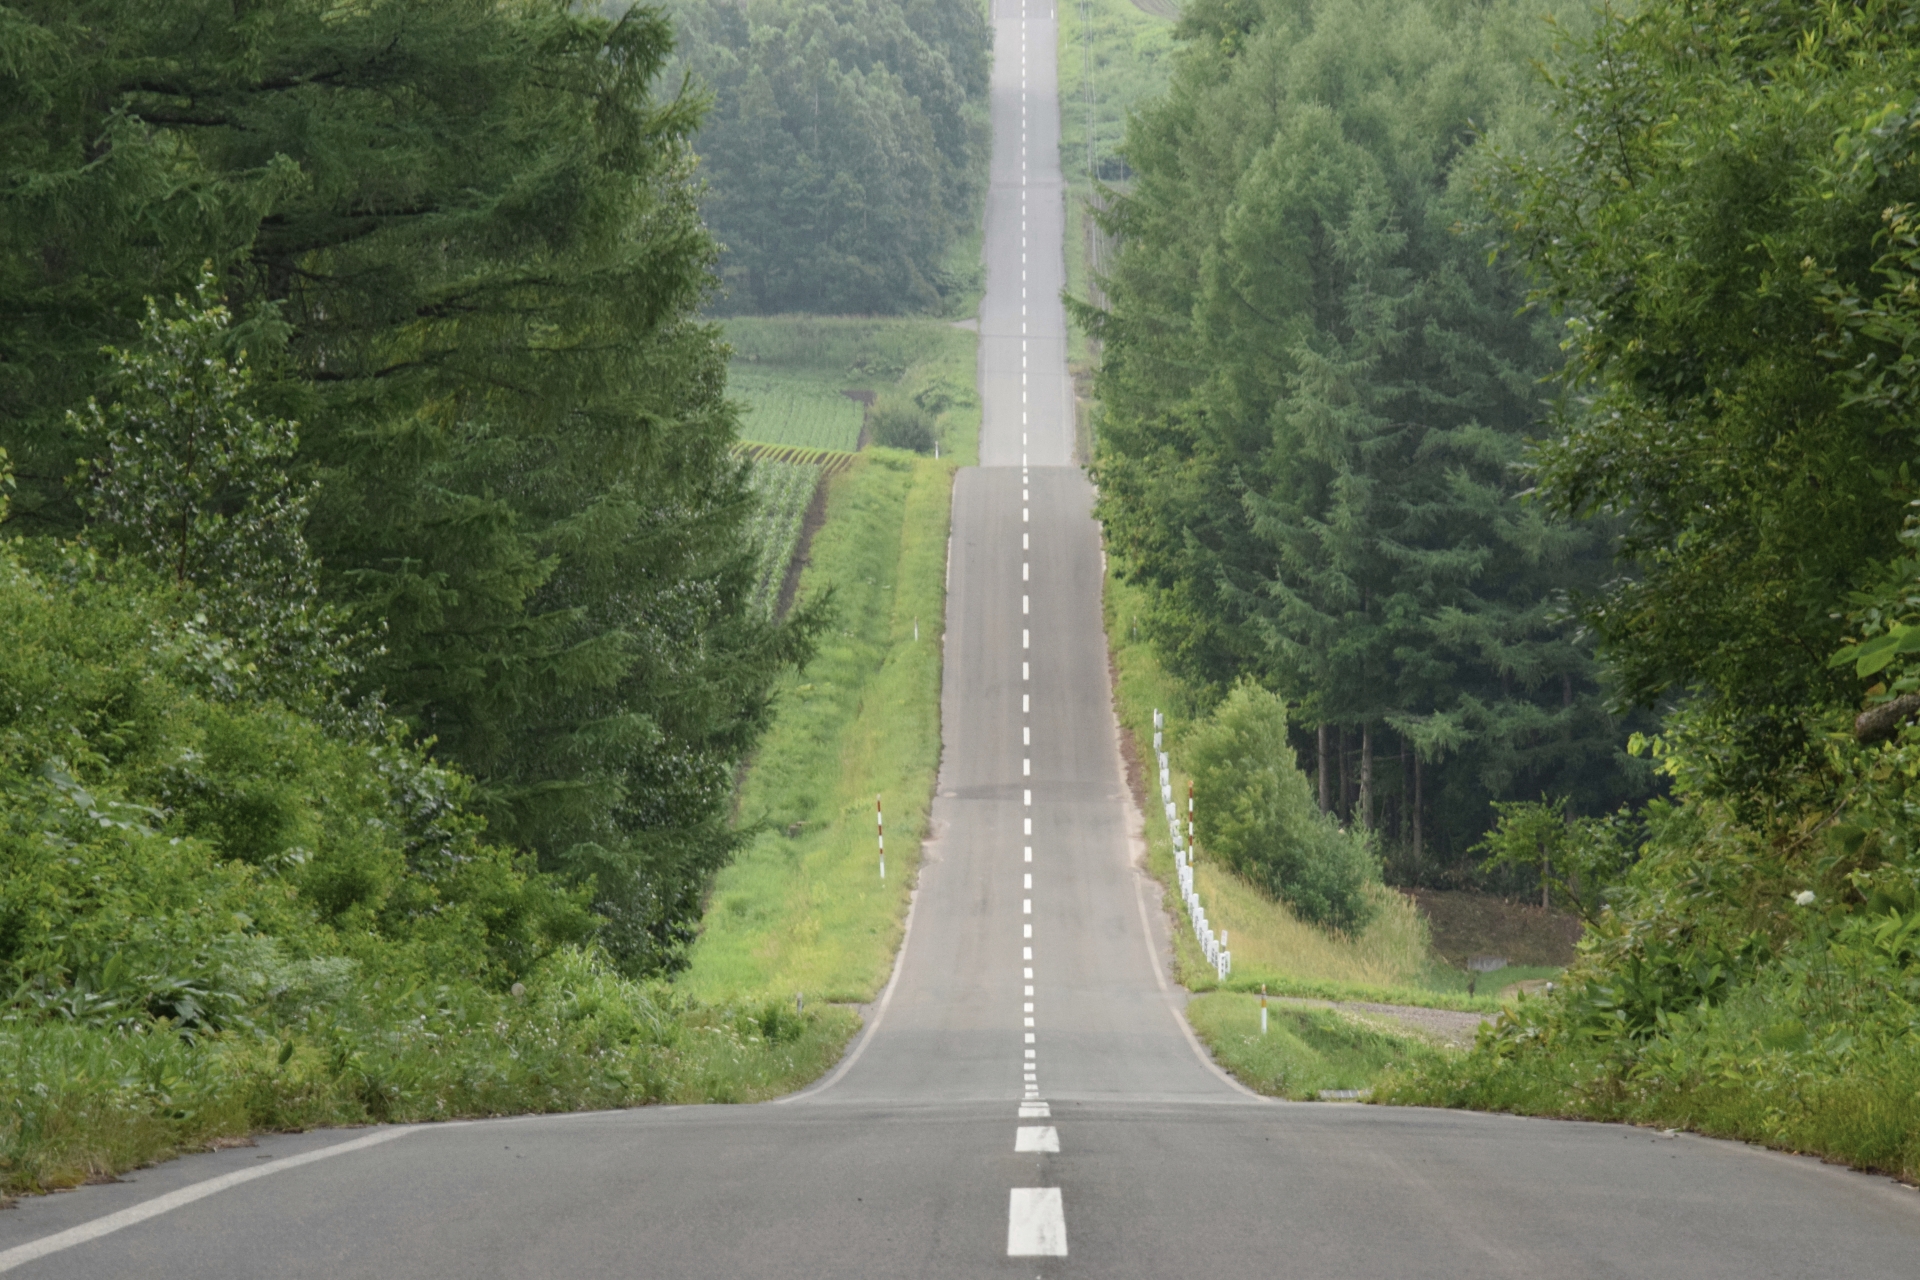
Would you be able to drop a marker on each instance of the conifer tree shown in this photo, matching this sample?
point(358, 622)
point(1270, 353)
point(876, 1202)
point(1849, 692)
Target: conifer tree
point(1315, 392)
point(477, 223)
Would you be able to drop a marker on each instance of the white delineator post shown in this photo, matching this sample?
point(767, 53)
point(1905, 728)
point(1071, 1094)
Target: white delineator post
point(1214, 948)
point(880, 831)
point(1263, 1008)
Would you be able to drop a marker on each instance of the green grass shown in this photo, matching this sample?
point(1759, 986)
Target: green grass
point(81, 1102)
point(1391, 962)
point(785, 407)
point(1304, 1050)
point(807, 911)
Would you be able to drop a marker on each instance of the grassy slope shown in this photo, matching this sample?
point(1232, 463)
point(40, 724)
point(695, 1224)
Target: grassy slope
point(1390, 962)
point(808, 912)
point(1303, 1051)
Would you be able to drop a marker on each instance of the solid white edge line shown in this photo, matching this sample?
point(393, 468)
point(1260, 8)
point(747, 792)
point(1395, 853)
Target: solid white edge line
point(22, 1254)
point(1136, 821)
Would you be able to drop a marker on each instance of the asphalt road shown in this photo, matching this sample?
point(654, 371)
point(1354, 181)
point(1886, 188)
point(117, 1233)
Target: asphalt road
point(1030, 1009)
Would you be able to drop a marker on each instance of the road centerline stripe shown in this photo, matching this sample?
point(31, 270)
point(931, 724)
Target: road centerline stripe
point(1036, 1223)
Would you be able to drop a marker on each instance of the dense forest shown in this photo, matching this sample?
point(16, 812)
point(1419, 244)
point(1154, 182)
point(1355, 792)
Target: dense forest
point(845, 151)
point(459, 255)
point(1530, 402)
point(1315, 391)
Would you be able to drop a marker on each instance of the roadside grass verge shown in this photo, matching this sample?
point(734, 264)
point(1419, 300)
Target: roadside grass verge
point(82, 1103)
point(1390, 962)
point(1304, 1050)
point(928, 362)
point(802, 909)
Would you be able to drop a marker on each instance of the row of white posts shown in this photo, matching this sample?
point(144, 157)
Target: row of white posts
point(1215, 946)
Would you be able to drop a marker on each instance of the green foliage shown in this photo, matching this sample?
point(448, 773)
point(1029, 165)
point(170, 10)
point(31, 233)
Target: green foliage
point(216, 915)
point(1314, 392)
point(1255, 811)
point(81, 1101)
point(462, 250)
point(1575, 857)
point(846, 147)
point(894, 424)
point(168, 853)
point(1303, 1050)
point(1720, 213)
point(192, 482)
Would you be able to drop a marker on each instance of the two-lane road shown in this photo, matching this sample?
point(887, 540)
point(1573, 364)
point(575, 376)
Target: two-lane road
point(1026, 1100)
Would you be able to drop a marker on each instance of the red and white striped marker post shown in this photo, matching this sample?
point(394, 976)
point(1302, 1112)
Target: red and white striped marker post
point(880, 830)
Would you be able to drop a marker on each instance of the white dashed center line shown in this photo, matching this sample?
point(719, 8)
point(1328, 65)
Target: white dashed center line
point(1036, 1227)
point(1037, 1139)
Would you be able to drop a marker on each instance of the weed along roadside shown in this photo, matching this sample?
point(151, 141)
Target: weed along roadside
point(802, 910)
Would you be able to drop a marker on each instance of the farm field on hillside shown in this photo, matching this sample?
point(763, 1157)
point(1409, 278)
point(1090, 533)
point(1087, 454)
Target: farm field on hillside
point(793, 408)
point(785, 490)
point(793, 371)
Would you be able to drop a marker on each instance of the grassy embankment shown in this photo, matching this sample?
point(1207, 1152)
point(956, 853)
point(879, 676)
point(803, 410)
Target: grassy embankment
point(1391, 962)
point(803, 910)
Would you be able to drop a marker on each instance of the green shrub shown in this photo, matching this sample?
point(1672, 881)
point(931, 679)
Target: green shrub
point(1257, 813)
point(901, 425)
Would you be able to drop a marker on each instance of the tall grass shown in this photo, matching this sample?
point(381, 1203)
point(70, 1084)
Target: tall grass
point(803, 908)
point(81, 1102)
point(1303, 1051)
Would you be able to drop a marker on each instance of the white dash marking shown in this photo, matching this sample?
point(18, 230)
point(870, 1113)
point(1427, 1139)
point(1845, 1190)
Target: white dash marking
point(1036, 1225)
point(1036, 1139)
point(1035, 1111)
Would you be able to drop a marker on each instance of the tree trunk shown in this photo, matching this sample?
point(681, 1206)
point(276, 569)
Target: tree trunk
point(1346, 783)
point(1326, 782)
point(1400, 808)
point(1418, 776)
point(1366, 777)
point(1882, 722)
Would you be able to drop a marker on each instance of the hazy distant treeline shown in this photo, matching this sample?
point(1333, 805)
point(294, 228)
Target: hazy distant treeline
point(843, 151)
